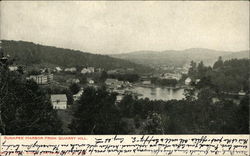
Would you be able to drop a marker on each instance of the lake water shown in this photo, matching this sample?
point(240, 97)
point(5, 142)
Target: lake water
point(159, 93)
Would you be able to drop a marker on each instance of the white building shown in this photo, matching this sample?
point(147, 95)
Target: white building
point(90, 81)
point(58, 69)
point(41, 79)
point(13, 68)
point(119, 98)
point(111, 81)
point(188, 81)
point(242, 93)
point(197, 81)
point(59, 101)
point(73, 69)
point(88, 70)
point(146, 82)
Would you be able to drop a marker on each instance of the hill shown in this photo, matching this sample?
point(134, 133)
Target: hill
point(28, 53)
point(179, 58)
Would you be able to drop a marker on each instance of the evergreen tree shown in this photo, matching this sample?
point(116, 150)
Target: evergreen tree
point(96, 113)
point(218, 63)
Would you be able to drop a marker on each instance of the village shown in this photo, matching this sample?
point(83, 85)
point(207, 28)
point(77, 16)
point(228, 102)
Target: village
point(90, 76)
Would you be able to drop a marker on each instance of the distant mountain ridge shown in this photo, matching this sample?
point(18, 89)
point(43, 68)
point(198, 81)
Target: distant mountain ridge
point(28, 53)
point(179, 57)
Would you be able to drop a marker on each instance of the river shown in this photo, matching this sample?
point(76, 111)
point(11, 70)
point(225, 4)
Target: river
point(159, 93)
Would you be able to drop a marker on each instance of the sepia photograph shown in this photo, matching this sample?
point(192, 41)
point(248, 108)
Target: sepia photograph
point(124, 67)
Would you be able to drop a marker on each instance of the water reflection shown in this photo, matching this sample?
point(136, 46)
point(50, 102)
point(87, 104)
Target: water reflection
point(159, 93)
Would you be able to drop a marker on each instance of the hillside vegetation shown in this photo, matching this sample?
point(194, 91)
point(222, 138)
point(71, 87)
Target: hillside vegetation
point(180, 58)
point(28, 53)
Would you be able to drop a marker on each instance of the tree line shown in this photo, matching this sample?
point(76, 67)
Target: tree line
point(225, 76)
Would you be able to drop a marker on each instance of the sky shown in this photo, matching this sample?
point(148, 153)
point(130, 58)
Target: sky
point(110, 27)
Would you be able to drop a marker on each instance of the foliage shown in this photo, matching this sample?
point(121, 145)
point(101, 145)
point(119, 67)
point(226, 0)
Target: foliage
point(153, 124)
point(103, 76)
point(25, 107)
point(218, 63)
point(197, 114)
point(228, 76)
point(74, 88)
point(96, 113)
point(28, 53)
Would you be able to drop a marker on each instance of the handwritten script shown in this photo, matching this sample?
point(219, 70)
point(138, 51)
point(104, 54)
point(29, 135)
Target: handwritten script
point(126, 145)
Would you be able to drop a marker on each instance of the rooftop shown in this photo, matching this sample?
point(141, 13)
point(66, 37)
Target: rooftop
point(61, 97)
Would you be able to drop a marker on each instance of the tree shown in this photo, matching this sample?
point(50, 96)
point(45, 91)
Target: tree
point(218, 63)
point(201, 70)
point(243, 116)
point(96, 113)
point(154, 124)
point(189, 94)
point(103, 76)
point(70, 99)
point(34, 72)
point(192, 72)
point(74, 88)
point(127, 106)
point(25, 107)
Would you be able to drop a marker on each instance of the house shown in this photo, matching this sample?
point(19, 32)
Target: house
point(146, 82)
point(72, 69)
point(119, 98)
point(59, 101)
point(41, 79)
point(130, 69)
point(78, 95)
point(112, 71)
point(242, 93)
point(13, 68)
point(88, 70)
point(188, 81)
point(114, 83)
point(111, 81)
point(197, 81)
point(58, 69)
point(90, 81)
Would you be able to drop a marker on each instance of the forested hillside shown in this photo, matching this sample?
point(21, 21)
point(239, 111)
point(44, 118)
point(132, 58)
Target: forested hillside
point(28, 53)
point(181, 57)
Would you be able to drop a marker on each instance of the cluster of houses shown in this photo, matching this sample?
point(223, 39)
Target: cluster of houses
point(121, 71)
point(88, 70)
point(119, 87)
point(85, 70)
point(114, 84)
point(173, 69)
